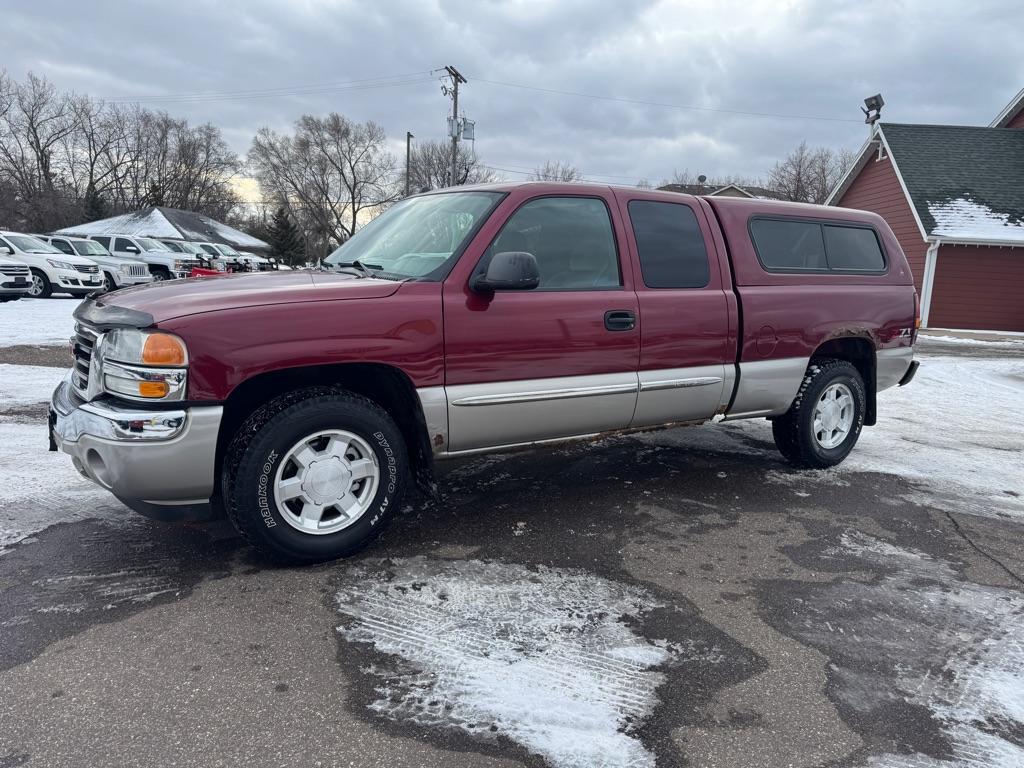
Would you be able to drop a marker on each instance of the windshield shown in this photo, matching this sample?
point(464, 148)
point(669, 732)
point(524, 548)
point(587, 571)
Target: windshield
point(192, 248)
point(30, 244)
point(176, 247)
point(149, 244)
point(227, 250)
point(417, 236)
point(89, 248)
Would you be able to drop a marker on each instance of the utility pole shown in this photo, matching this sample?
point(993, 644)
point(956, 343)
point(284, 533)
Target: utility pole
point(408, 153)
point(457, 78)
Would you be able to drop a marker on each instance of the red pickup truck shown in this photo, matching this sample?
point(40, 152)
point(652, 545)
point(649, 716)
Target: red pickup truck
point(474, 319)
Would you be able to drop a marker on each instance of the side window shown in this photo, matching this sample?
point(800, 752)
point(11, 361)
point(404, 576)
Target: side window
point(103, 240)
point(853, 249)
point(209, 249)
point(789, 245)
point(122, 244)
point(62, 245)
point(670, 245)
point(571, 238)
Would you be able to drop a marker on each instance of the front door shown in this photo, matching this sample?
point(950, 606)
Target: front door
point(556, 361)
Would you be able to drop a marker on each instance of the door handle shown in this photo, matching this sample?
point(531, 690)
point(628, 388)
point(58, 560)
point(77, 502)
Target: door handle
point(619, 320)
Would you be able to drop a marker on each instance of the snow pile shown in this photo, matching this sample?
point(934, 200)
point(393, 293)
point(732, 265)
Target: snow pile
point(541, 657)
point(37, 321)
point(964, 219)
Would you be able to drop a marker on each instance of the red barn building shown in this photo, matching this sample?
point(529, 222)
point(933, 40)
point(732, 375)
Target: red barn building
point(954, 197)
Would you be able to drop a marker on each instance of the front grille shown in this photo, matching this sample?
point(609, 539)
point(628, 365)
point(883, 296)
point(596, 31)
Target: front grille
point(14, 270)
point(82, 345)
point(90, 269)
point(138, 270)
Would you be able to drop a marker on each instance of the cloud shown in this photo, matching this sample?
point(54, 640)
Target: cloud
point(934, 63)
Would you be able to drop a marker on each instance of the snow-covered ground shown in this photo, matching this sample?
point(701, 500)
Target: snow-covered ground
point(37, 321)
point(27, 384)
point(543, 657)
point(955, 431)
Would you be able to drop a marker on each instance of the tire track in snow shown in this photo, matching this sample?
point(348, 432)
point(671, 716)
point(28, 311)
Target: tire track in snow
point(541, 657)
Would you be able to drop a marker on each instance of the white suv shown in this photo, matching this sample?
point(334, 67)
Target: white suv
point(51, 270)
point(164, 264)
point(117, 272)
point(14, 278)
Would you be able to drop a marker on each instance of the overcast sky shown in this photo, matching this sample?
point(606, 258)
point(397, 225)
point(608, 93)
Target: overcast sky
point(934, 61)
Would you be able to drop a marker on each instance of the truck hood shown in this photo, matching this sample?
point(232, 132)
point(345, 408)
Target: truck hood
point(176, 298)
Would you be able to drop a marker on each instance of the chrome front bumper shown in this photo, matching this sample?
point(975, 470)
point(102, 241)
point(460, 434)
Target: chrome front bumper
point(158, 462)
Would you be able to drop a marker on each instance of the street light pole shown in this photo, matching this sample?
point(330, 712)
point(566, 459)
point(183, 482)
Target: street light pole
point(408, 154)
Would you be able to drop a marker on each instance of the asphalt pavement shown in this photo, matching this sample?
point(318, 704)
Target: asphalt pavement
point(679, 599)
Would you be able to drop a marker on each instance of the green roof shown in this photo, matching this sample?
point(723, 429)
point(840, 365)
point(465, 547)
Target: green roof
point(964, 181)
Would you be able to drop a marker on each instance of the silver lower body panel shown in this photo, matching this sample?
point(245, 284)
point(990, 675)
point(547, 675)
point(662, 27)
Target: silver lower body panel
point(159, 462)
point(891, 365)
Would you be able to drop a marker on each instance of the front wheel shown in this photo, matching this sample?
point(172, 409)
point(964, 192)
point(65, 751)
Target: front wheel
point(315, 475)
point(40, 287)
point(825, 420)
point(160, 273)
point(108, 283)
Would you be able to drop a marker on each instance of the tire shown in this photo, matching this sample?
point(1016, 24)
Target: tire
point(108, 283)
point(260, 462)
point(160, 273)
point(41, 286)
point(795, 433)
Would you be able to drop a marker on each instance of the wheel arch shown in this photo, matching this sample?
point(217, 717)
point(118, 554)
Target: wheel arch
point(859, 352)
point(386, 385)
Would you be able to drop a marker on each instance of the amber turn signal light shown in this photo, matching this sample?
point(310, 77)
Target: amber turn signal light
point(153, 388)
point(163, 349)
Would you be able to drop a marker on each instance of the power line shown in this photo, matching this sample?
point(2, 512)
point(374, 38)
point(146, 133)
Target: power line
point(386, 81)
point(645, 102)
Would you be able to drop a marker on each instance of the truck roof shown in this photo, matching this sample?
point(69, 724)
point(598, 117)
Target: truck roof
point(738, 205)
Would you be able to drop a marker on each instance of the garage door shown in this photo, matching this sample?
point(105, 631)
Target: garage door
point(978, 288)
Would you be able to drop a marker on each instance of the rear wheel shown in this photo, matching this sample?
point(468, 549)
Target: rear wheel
point(315, 475)
point(825, 420)
point(40, 287)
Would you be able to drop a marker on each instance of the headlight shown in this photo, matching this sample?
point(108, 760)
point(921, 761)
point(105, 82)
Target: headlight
point(144, 365)
point(181, 266)
point(125, 269)
point(60, 264)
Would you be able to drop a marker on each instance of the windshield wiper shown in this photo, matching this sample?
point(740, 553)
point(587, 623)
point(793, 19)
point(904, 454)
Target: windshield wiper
point(367, 270)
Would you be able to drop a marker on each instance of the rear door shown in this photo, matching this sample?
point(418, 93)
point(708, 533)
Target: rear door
point(687, 345)
point(556, 361)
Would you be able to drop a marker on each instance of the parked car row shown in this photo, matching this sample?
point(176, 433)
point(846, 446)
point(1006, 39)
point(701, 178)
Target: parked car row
point(37, 266)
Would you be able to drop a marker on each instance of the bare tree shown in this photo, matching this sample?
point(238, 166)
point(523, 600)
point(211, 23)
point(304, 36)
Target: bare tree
point(430, 165)
point(554, 170)
point(35, 121)
point(329, 175)
point(809, 175)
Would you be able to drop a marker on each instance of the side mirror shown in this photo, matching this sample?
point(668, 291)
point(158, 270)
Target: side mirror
point(506, 271)
point(131, 249)
point(6, 250)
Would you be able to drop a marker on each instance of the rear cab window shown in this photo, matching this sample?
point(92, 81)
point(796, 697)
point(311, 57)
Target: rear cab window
point(670, 245)
point(806, 245)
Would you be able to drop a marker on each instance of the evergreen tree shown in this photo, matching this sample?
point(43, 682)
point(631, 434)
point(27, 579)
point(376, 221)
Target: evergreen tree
point(285, 239)
point(94, 206)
